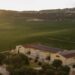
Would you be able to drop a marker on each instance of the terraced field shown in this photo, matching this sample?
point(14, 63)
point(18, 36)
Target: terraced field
point(60, 34)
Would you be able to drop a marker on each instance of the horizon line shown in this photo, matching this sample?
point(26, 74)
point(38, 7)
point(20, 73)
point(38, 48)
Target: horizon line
point(36, 10)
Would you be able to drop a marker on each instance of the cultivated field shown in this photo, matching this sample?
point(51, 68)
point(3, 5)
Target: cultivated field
point(13, 31)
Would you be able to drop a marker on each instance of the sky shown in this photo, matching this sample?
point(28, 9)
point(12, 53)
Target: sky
point(22, 5)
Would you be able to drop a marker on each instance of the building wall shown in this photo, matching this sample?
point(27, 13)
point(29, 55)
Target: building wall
point(20, 49)
point(34, 52)
point(58, 56)
point(66, 61)
point(70, 61)
point(43, 54)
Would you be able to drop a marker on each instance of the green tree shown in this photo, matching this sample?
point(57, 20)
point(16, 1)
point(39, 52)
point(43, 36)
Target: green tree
point(2, 58)
point(57, 63)
point(47, 69)
point(49, 72)
point(65, 70)
point(23, 70)
point(17, 60)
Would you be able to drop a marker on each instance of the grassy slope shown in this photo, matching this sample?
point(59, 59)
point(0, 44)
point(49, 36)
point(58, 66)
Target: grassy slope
point(55, 34)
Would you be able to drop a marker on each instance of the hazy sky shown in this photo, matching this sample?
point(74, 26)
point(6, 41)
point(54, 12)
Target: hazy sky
point(35, 4)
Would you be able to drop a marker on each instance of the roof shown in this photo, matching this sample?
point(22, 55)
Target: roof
point(68, 54)
point(43, 47)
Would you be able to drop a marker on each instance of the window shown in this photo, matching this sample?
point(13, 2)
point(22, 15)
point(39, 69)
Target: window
point(57, 56)
point(73, 66)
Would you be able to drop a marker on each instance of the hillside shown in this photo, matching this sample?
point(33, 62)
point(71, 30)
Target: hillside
point(57, 14)
point(50, 27)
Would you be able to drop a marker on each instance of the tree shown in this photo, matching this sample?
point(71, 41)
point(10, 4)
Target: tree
point(39, 63)
point(17, 63)
point(48, 58)
point(17, 60)
point(2, 58)
point(23, 70)
point(49, 72)
point(65, 70)
point(36, 59)
point(45, 66)
point(57, 63)
point(28, 53)
point(47, 69)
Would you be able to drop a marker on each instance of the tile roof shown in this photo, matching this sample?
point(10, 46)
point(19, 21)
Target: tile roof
point(43, 47)
point(68, 54)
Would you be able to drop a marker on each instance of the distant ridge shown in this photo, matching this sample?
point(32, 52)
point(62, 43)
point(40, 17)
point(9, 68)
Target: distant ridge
point(55, 14)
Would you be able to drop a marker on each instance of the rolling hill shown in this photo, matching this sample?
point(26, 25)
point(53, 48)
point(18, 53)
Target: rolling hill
point(55, 28)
